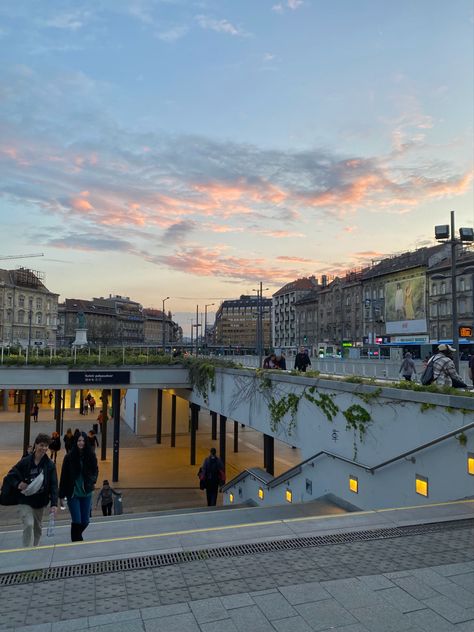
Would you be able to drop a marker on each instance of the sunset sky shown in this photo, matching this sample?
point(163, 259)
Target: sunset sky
point(155, 148)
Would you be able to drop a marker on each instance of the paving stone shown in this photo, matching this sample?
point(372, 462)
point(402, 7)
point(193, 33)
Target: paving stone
point(429, 621)
point(71, 625)
point(177, 623)
point(164, 611)
point(40, 627)
point(376, 582)
point(324, 614)
point(226, 625)
point(465, 580)
point(304, 593)
point(13, 619)
point(143, 601)
point(454, 569)
point(232, 587)
point(428, 576)
point(206, 610)
point(292, 624)
point(352, 592)
point(457, 593)
point(250, 619)
point(114, 604)
point(176, 596)
point(204, 591)
point(449, 609)
point(401, 600)
point(113, 617)
point(274, 606)
point(260, 583)
point(383, 617)
point(125, 626)
point(237, 601)
point(415, 587)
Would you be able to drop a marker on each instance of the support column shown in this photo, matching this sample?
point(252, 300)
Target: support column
point(5, 399)
point(194, 419)
point(27, 420)
point(81, 402)
point(173, 421)
point(222, 429)
point(73, 399)
point(116, 413)
point(236, 436)
point(269, 453)
point(63, 406)
point(57, 410)
point(213, 426)
point(104, 409)
point(159, 415)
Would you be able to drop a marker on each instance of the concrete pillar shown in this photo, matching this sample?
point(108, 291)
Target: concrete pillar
point(57, 410)
point(194, 419)
point(116, 413)
point(72, 403)
point(104, 409)
point(236, 436)
point(213, 426)
point(173, 421)
point(222, 437)
point(269, 453)
point(159, 415)
point(27, 420)
point(5, 399)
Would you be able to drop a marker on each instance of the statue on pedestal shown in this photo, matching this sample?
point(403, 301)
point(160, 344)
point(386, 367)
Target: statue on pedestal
point(81, 331)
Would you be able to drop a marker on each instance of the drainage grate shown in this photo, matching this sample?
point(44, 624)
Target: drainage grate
point(169, 559)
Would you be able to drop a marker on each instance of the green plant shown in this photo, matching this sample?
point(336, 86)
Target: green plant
point(280, 408)
point(357, 418)
point(325, 403)
point(462, 438)
point(426, 406)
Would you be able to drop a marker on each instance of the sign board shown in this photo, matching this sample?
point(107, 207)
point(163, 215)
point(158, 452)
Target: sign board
point(99, 377)
point(465, 332)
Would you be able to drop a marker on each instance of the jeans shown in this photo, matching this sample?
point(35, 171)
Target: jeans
point(107, 509)
point(31, 519)
point(211, 493)
point(80, 509)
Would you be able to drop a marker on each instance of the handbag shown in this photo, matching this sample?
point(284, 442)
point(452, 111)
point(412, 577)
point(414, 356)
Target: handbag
point(202, 480)
point(35, 485)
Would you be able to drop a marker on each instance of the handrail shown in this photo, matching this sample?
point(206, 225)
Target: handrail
point(297, 468)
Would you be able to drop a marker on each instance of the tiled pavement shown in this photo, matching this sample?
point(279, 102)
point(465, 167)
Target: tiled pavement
point(412, 583)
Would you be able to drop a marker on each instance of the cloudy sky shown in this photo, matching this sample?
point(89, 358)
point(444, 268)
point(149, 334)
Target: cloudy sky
point(192, 149)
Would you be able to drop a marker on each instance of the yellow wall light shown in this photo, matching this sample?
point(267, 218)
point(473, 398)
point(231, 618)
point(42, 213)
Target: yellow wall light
point(289, 496)
point(231, 498)
point(261, 493)
point(354, 484)
point(421, 485)
point(470, 463)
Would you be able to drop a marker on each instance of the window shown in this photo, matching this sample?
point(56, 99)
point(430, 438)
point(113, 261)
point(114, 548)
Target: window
point(21, 317)
point(10, 300)
point(462, 284)
point(443, 287)
point(21, 301)
point(381, 294)
point(39, 303)
point(38, 334)
point(434, 289)
point(39, 318)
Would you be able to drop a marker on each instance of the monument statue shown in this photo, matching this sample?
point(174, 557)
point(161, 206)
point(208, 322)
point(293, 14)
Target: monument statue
point(81, 320)
point(81, 331)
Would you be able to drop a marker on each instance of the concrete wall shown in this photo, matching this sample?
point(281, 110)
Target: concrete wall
point(139, 411)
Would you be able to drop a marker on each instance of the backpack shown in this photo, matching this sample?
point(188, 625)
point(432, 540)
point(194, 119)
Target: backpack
point(9, 494)
point(427, 377)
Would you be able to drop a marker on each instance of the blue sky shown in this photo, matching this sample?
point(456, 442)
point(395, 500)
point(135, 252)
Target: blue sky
point(157, 148)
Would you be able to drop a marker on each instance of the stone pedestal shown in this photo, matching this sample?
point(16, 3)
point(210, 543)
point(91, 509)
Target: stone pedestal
point(81, 338)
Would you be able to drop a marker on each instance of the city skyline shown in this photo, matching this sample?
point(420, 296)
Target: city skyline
point(193, 149)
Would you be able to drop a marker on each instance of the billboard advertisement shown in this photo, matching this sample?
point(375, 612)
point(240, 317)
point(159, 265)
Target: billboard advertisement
point(405, 306)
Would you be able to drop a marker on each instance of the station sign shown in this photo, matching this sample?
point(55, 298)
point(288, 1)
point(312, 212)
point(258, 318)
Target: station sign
point(98, 378)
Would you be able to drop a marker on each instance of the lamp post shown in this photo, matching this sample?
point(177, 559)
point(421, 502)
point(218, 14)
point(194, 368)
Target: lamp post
point(205, 323)
point(259, 332)
point(446, 233)
point(163, 324)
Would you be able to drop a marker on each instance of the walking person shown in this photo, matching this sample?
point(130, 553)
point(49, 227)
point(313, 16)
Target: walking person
point(92, 438)
point(444, 369)
point(68, 440)
point(55, 446)
point(78, 477)
point(105, 496)
point(35, 413)
point(212, 473)
point(36, 479)
point(302, 360)
point(407, 368)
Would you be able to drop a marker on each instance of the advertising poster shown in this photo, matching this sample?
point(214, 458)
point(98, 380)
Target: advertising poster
point(405, 310)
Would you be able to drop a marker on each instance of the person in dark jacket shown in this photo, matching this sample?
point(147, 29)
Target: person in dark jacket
point(106, 495)
point(55, 445)
point(78, 477)
point(407, 368)
point(35, 496)
point(212, 472)
point(68, 440)
point(302, 360)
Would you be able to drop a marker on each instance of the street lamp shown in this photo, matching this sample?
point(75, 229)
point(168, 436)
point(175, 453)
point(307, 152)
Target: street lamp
point(205, 323)
point(259, 337)
point(447, 234)
point(163, 324)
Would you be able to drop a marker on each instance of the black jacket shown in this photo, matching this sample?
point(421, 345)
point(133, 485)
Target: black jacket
point(90, 473)
point(21, 472)
point(302, 361)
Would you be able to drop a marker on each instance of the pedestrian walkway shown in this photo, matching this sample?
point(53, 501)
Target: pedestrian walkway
point(144, 465)
point(407, 569)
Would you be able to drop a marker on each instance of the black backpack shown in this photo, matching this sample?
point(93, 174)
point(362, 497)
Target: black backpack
point(427, 377)
point(9, 494)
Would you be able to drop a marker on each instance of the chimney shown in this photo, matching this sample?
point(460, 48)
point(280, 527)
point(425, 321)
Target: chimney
point(324, 280)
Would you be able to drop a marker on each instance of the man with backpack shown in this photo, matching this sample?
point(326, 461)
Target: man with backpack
point(444, 370)
point(212, 474)
point(32, 484)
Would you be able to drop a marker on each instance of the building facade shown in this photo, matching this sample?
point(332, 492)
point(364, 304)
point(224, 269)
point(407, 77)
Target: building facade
point(236, 323)
point(155, 321)
point(285, 336)
point(28, 310)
